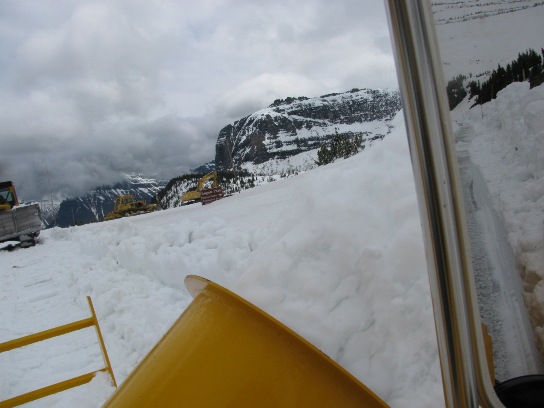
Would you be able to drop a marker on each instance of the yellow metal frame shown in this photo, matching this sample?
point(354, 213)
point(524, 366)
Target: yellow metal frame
point(48, 334)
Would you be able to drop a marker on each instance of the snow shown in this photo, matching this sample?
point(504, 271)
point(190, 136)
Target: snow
point(302, 162)
point(480, 42)
point(507, 147)
point(372, 124)
point(500, 150)
point(335, 253)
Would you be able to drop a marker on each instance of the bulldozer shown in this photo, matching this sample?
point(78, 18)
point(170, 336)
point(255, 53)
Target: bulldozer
point(196, 194)
point(18, 222)
point(127, 206)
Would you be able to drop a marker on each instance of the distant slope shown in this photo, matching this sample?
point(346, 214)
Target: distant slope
point(487, 26)
point(456, 11)
point(93, 206)
point(297, 125)
point(282, 140)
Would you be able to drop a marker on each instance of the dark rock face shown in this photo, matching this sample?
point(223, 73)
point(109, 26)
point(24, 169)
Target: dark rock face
point(295, 125)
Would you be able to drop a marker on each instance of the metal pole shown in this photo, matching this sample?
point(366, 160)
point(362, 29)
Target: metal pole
point(460, 340)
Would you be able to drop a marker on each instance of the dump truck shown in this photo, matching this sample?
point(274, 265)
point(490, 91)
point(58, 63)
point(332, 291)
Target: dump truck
point(20, 223)
point(127, 206)
point(196, 194)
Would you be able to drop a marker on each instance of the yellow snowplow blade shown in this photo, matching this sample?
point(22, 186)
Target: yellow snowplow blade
point(225, 352)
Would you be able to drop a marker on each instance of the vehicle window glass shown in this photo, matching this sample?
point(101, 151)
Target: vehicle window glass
point(492, 60)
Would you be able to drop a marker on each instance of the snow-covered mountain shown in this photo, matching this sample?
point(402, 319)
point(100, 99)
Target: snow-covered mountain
point(49, 210)
point(276, 142)
point(93, 206)
point(293, 126)
point(282, 140)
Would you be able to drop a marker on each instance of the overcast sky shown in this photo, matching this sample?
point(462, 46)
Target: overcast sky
point(90, 90)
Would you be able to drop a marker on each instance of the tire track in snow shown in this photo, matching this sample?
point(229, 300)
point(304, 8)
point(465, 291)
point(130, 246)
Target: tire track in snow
point(495, 272)
point(34, 299)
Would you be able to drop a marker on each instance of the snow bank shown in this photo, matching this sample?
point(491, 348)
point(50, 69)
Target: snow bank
point(346, 258)
point(335, 253)
point(509, 149)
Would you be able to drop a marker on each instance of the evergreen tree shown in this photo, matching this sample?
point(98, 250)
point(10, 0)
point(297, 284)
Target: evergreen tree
point(341, 146)
point(528, 66)
point(473, 89)
point(456, 91)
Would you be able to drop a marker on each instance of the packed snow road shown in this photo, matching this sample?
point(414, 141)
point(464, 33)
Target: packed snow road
point(495, 272)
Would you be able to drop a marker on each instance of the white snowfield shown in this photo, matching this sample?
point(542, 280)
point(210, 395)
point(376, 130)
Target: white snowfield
point(335, 253)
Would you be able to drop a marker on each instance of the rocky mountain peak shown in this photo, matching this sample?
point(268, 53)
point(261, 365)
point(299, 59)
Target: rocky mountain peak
point(297, 124)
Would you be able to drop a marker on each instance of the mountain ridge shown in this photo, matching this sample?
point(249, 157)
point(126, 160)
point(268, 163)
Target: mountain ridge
point(93, 206)
point(283, 139)
point(300, 124)
point(279, 141)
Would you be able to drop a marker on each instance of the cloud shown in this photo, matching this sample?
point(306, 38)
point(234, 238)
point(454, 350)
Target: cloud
point(92, 90)
point(259, 92)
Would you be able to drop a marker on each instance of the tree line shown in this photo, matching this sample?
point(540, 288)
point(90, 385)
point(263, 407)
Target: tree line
point(340, 146)
point(527, 67)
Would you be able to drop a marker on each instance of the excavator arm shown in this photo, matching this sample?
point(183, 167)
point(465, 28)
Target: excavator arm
point(210, 176)
point(195, 195)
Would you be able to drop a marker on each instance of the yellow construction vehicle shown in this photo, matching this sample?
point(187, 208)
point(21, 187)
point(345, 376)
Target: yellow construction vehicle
point(194, 195)
point(18, 222)
point(127, 206)
point(8, 196)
